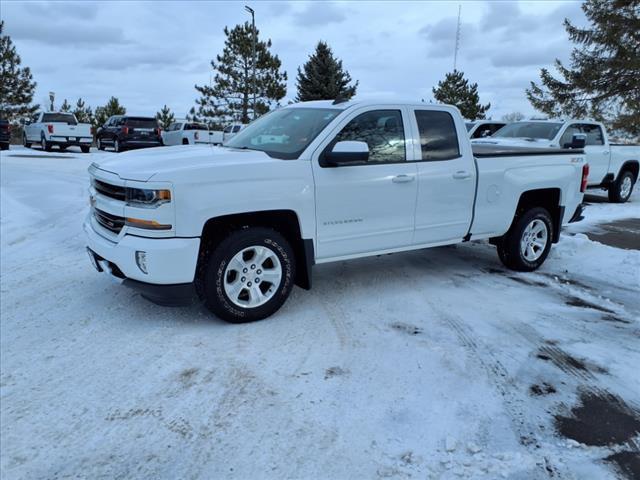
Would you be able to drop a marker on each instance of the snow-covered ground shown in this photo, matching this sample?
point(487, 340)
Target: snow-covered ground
point(430, 364)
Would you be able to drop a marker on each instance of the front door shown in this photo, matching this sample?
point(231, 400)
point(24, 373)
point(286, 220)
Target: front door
point(596, 151)
point(369, 207)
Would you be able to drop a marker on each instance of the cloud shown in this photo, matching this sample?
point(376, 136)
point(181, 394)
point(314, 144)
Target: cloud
point(319, 13)
point(76, 34)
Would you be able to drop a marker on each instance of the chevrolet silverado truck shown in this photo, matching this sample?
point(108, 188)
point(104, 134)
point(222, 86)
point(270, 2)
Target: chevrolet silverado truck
point(190, 133)
point(612, 167)
point(237, 226)
point(57, 128)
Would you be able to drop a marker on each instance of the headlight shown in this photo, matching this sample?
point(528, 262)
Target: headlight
point(141, 197)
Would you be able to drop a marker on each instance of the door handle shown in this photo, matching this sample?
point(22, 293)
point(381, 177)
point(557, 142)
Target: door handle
point(403, 178)
point(461, 175)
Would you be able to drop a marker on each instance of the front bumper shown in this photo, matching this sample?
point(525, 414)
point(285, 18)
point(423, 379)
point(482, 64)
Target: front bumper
point(169, 261)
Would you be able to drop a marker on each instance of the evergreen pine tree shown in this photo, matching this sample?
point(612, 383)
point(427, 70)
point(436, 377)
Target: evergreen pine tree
point(165, 117)
point(513, 117)
point(83, 112)
point(602, 80)
point(16, 83)
point(456, 90)
point(112, 107)
point(322, 77)
point(230, 98)
point(65, 107)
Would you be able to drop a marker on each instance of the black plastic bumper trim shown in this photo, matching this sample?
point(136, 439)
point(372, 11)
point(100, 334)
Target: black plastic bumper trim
point(174, 295)
point(577, 215)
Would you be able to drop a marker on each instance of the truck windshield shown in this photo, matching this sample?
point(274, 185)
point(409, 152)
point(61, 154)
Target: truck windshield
point(284, 133)
point(67, 118)
point(543, 130)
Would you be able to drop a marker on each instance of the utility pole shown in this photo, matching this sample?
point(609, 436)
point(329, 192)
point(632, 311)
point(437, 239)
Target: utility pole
point(253, 54)
point(455, 54)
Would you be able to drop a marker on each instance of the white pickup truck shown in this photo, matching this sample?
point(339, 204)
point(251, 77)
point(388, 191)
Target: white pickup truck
point(238, 226)
point(190, 133)
point(57, 128)
point(612, 167)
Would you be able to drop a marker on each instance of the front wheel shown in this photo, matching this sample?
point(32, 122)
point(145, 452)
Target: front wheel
point(116, 146)
point(100, 144)
point(248, 276)
point(527, 243)
point(25, 142)
point(620, 190)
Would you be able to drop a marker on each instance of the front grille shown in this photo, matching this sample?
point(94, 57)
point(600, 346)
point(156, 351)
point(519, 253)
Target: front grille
point(112, 223)
point(111, 191)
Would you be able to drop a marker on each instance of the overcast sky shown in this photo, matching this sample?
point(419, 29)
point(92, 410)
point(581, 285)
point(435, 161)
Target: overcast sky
point(148, 53)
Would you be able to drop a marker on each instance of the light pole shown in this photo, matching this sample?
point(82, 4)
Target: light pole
point(253, 54)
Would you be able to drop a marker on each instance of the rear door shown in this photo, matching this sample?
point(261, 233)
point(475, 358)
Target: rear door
point(446, 178)
point(368, 207)
point(173, 134)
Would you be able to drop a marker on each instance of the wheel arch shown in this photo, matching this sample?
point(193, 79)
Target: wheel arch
point(286, 222)
point(548, 198)
point(630, 165)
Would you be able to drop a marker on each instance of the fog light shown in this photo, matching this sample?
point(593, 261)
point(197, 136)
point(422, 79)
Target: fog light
point(141, 261)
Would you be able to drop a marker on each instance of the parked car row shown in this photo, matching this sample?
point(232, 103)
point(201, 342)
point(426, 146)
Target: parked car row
point(120, 132)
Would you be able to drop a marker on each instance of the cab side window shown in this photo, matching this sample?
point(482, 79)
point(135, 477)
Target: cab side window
point(438, 137)
point(382, 131)
point(594, 134)
point(567, 136)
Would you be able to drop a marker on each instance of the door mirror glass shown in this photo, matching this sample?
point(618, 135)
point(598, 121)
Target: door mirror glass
point(348, 152)
point(578, 141)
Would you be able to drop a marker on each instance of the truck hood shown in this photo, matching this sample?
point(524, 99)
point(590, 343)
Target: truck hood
point(142, 165)
point(514, 142)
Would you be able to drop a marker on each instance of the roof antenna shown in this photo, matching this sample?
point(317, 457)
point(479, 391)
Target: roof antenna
point(455, 54)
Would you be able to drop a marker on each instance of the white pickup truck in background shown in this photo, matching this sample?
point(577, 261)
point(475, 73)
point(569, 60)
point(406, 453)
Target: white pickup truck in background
point(57, 128)
point(191, 133)
point(612, 167)
point(237, 226)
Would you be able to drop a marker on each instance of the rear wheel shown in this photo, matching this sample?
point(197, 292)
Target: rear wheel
point(248, 276)
point(100, 144)
point(527, 243)
point(46, 146)
point(84, 149)
point(185, 141)
point(621, 189)
point(26, 143)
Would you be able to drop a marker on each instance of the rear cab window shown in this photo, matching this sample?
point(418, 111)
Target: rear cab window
point(67, 118)
point(438, 136)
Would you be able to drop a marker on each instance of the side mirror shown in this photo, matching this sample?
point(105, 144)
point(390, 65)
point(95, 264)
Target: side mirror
point(578, 141)
point(348, 152)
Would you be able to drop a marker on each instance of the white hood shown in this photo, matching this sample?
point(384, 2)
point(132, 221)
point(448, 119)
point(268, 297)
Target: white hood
point(141, 165)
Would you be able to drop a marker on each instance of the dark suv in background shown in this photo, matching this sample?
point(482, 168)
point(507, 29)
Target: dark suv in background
point(122, 132)
point(5, 134)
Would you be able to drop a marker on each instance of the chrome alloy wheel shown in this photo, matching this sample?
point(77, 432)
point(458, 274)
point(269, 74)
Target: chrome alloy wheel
point(625, 188)
point(534, 240)
point(252, 276)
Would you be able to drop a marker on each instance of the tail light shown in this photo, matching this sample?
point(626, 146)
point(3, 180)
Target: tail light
point(196, 136)
point(585, 177)
point(125, 130)
point(50, 129)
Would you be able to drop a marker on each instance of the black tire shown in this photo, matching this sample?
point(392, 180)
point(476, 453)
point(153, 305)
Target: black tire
point(46, 146)
point(616, 194)
point(100, 144)
point(185, 141)
point(212, 274)
point(4, 146)
point(509, 247)
point(84, 149)
point(24, 141)
point(62, 147)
